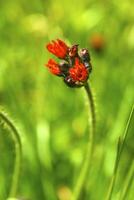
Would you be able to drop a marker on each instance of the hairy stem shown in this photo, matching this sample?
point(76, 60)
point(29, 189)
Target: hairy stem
point(90, 147)
point(18, 154)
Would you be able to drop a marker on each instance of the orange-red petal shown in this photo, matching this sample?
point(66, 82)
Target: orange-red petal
point(79, 72)
point(58, 48)
point(53, 67)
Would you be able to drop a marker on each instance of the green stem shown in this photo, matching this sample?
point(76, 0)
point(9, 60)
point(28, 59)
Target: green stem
point(121, 143)
point(128, 183)
point(90, 147)
point(18, 153)
point(113, 179)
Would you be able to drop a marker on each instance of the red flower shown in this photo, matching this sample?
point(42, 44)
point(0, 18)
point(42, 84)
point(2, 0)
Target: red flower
point(53, 67)
point(78, 72)
point(58, 48)
point(75, 66)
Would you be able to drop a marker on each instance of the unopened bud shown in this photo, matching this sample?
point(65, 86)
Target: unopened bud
point(84, 54)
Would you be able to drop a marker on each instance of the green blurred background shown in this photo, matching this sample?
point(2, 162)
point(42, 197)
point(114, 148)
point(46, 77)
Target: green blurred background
point(52, 119)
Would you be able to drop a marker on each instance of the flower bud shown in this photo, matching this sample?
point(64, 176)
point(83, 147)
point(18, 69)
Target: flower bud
point(64, 66)
point(73, 51)
point(84, 54)
point(69, 82)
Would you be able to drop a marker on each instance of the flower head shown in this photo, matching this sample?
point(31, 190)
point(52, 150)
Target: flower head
point(58, 48)
point(75, 66)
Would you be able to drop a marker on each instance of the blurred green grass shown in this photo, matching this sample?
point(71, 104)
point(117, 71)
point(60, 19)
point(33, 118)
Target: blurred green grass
point(52, 118)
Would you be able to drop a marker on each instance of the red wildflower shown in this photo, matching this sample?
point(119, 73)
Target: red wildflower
point(58, 48)
point(75, 66)
point(79, 72)
point(53, 67)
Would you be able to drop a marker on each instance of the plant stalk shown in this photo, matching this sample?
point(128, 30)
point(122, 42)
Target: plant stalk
point(120, 147)
point(90, 147)
point(18, 155)
point(128, 183)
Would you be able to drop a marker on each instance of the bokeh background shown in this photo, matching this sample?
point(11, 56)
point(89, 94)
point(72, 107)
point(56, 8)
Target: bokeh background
point(52, 119)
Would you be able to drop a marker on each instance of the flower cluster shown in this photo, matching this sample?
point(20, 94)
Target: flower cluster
point(75, 66)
